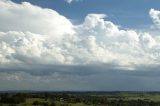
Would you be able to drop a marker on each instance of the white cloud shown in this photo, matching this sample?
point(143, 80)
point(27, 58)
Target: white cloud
point(155, 15)
point(27, 17)
point(40, 48)
point(33, 35)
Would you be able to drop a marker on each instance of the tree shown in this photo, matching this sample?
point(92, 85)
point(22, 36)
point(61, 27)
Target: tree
point(52, 104)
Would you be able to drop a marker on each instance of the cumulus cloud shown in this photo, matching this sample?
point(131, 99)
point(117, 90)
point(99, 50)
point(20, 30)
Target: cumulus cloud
point(155, 15)
point(27, 17)
point(32, 35)
point(39, 45)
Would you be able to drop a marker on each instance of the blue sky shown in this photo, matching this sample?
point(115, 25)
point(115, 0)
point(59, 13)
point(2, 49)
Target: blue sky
point(108, 45)
point(126, 13)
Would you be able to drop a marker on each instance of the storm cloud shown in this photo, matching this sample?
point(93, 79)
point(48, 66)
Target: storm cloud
point(40, 45)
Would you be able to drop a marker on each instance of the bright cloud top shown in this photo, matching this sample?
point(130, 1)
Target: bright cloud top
point(33, 35)
point(155, 15)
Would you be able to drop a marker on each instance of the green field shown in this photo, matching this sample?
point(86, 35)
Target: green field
point(80, 99)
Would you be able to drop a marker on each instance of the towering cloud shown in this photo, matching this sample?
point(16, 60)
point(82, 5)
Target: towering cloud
point(39, 45)
point(33, 35)
point(27, 17)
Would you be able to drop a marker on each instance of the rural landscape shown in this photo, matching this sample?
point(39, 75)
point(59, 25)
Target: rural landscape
point(79, 52)
point(80, 99)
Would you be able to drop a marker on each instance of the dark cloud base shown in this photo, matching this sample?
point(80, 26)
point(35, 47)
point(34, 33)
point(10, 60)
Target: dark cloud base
point(81, 78)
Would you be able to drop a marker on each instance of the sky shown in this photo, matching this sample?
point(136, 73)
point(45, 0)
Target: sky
point(127, 13)
point(80, 45)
